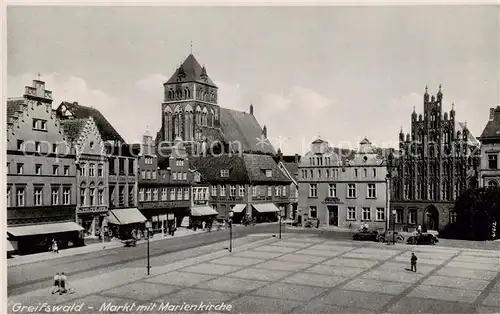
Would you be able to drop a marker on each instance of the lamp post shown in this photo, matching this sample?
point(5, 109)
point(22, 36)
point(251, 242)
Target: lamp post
point(231, 231)
point(393, 226)
point(279, 224)
point(148, 230)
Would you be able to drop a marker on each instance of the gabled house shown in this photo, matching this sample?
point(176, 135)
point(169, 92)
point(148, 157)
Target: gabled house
point(489, 172)
point(289, 165)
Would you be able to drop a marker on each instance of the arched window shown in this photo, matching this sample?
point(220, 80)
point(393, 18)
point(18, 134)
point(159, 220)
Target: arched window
point(168, 124)
point(188, 123)
point(177, 122)
point(204, 117)
point(198, 115)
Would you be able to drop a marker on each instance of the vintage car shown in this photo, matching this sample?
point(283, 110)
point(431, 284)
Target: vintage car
point(365, 235)
point(422, 238)
point(390, 236)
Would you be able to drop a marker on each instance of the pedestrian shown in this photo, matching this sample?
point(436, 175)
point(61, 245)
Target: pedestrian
point(317, 224)
point(54, 247)
point(419, 229)
point(413, 262)
point(56, 286)
point(62, 283)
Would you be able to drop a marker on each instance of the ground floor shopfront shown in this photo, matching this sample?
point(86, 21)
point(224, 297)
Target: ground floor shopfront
point(92, 222)
point(428, 215)
point(263, 212)
point(125, 223)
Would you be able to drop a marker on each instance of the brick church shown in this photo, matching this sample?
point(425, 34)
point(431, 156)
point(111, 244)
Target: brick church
point(191, 113)
point(434, 166)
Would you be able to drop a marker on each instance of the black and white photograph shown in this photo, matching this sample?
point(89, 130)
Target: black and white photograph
point(253, 158)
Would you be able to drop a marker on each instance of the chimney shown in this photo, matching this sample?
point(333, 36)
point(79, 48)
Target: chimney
point(492, 114)
point(251, 109)
point(296, 158)
point(280, 154)
point(264, 131)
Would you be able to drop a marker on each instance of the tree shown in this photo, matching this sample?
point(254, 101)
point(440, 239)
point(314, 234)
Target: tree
point(477, 210)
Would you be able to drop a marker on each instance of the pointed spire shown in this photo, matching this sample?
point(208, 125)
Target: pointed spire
point(439, 91)
point(251, 108)
point(264, 131)
point(426, 89)
point(203, 74)
point(191, 48)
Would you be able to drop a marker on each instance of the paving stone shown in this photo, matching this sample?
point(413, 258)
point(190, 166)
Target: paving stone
point(456, 282)
point(493, 300)
point(445, 294)
point(291, 244)
point(194, 296)
point(323, 308)
point(180, 278)
point(317, 280)
point(487, 310)
point(376, 286)
point(466, 273)
point(350, 262)
point(373, 251)
point(96, 303)
point(405, 267)
point(433, 249)
point(366, 256)
point(211, 269)
point(324, 247)
point(236, 261)
point(255, 304)
point(289, 291)
point(415, 305)
point(325, 253)
point(366, 300)
point(282, 265)
point(477, 259)
point(231, 284)
point(387, 275)
point(429, 261)
point(335, 270)
point(478, 266)
point(482, 253)
point(259, 255)
point(306, 239)
point(142, 291)
point(301, 258)
point(275, 249)
point(260, 274)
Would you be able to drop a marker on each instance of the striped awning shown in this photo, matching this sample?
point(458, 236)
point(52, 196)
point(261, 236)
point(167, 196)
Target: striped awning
point(126, 216)
point(203, 211)
point(238, 208)
point(266, 208)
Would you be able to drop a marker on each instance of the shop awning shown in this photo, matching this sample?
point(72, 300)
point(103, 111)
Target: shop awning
point(11, 245)
point(238, 208)
point(266, 208)
point(20, 231)
point(126, 216)
point(203, 211)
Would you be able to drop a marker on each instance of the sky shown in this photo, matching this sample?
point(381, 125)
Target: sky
point(339, 73)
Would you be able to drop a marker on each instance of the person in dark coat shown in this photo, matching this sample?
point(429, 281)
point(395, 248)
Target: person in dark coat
point(413, 261)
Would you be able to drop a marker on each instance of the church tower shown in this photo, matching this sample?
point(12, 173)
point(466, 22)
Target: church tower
point(190, 109)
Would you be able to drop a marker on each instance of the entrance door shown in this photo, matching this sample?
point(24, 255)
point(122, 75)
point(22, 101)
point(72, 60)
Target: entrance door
point(431, 218)
point(333, 215)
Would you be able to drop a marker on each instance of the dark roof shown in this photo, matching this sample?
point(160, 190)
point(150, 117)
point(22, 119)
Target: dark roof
point(192, 73)
point(72, 128)
point(120, 149)
point(292, 168)
point(365, 141)
point(318, 141)
point(492, 128)
point(108, 132)
point(210, 167)
point(242, 127)
point(13, 106)
point(257, 165)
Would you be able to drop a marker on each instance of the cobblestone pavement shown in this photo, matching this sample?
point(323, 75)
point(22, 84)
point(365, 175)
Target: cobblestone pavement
point(300, 274)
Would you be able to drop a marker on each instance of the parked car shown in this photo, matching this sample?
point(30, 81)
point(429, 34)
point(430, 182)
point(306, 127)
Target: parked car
point(365, 235)
point(423, 238)
point(390, 236)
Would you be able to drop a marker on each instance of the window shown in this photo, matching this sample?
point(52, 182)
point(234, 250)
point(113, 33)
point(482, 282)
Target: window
point(412, 217)
point(493, 161)
point(214, 190)
point(284, 190)
point(319, 173)
point(8, 196)
point(83, 170)
point(332, 190)
point(155, 194)
point(172, 194)
point(66, 195)
point(148, 194)
point(186, 194)
point(365, 172)
point(148, 175)
point(232, 190)
point(55, 170)
point(311, 173)
point(92, 196)
point(55, 148)
point(38, 147)
point(38, 169)
point(91, 170)
point(180, 162)
point(222, 190)
point(374, 172)
point(254, 190)
point(20, 145)
point(141, 194)
point(100, 170)
point(269, 173)
point(112, 166)
point(8, 167)
point(269, 191)
point(355, 173)
point(366, 213)
point(399, 216)
point(143, 174)
point(174, 176)
point(164, 194)
point(131, 194)
point(20, 196)
point(351, 190)
point(38, 196)
point(277, 191)
point(304, 174)
point(197, 177)
point(179, 193)
point(372, 192)
point(153, 173)
point(351, 213)
point(184, 176)
point(19, 168)
point(148, 160)
point(224, 173)
point(380, 214)
point(66, 170)
point(100, 196)
point(453, 217)
point(327, 173)
point(131, 170)
point(242, 190)
point(40, 125)
point(55, 196)
point(313, 212)
point(121, 165)
point(313, 190)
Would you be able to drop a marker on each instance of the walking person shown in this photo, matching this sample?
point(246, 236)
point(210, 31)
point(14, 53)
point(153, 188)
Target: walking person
point(419, 229)
point(56, 288)
point(413, 262)
point(54, 246)
point(62, 283)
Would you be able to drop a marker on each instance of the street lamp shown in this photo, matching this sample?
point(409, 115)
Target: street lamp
point(148, 230)
point(393, 226)
point(279, 224)
point(231, 231)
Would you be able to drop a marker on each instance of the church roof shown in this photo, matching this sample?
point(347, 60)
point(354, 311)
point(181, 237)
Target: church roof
point(244, 128)
point(192, 73)
point(471, 140)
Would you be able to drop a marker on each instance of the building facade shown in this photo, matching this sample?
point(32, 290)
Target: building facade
point(435, 164)
point(289, 165)
point(489, 172)
point(41, 174)
point(343, 190)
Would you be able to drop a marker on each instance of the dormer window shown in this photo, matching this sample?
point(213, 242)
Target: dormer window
point(224, 173)
point(269, 173)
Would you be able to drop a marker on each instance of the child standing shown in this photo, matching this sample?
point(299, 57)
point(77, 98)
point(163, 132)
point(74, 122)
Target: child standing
point(57, 278)
point(62, 283)
point(413, 262)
